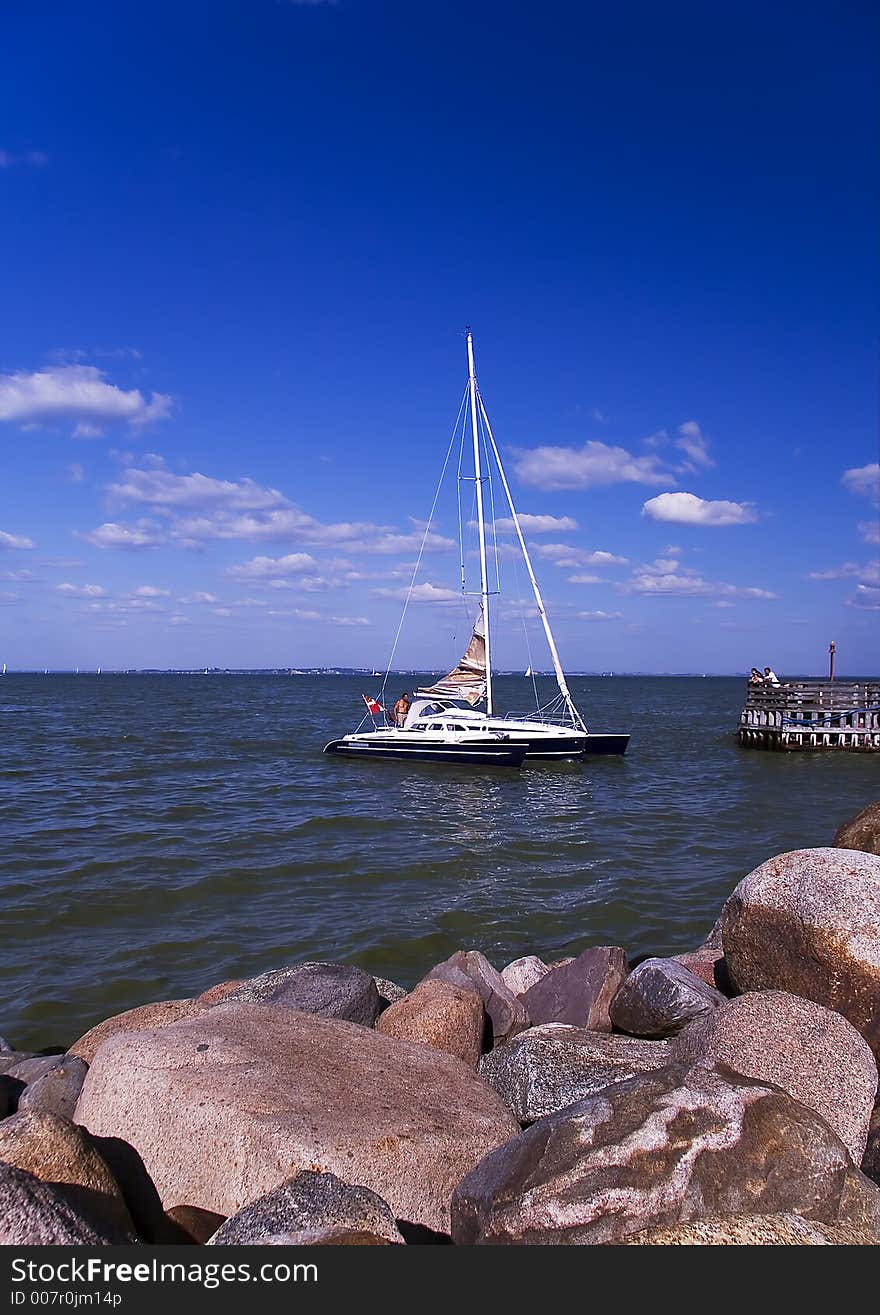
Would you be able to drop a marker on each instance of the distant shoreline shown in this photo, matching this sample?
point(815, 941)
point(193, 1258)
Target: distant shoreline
point(367, 673)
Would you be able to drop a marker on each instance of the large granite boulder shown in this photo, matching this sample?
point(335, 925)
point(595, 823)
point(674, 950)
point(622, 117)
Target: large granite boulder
point(546, 1068)
point(808, 922)
point(862, 831)
point(660, 997)
point(871, 1157)
point(308, 1209)
point(579, 992)
point(143, 1018)
point(519, 975)
point(439, 1014)
point(811, 1052)
point(333, 990)
point(57, 1090)
point(682, 1143)
point(60, 1153)
point(472, 971)
point(39, 1214)
point(223, 1106)
point(786, 1230)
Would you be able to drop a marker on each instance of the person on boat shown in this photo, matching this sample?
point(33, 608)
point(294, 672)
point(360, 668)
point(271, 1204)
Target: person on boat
point(401, 710)
point(756, 678)
point(770, 677)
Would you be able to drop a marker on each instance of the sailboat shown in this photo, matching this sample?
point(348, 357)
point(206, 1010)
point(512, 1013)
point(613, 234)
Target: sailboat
point(528, 670)
point(444, 721)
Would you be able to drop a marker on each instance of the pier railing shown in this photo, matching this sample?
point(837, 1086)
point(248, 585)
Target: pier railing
point(812, 714)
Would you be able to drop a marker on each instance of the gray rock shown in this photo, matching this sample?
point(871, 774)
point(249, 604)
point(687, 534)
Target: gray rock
point(12, 1058)
point(38, 1214)
point(61, 1153)
point(579, 992)
point(660, 997)
point(808, 922)
point(543, 1070)
point(812, 1053)
point(6, 1047)
point(57, 1091)
point(333, 990)
point(29, 1070)
point(389, 992)
point(519, 975)
point(473, 972)
point(305, 1207)
point(682, 1143)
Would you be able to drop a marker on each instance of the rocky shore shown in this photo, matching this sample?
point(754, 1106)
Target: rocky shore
point(720, 1097)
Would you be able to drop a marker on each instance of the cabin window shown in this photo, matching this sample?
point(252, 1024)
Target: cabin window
point(437, 726)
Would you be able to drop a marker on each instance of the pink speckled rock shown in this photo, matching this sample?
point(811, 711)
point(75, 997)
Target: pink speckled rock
point(808, 922)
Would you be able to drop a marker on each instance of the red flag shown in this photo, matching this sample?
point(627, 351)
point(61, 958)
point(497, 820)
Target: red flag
point(373, 707)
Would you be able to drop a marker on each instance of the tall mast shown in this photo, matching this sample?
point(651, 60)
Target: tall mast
point(484, 583)
point(557, 665)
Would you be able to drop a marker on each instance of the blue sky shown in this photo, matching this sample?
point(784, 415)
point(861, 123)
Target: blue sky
point(240, 244)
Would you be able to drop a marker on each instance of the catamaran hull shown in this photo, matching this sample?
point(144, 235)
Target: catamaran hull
point(487, 755)
point(605, 744)
point(558, 749)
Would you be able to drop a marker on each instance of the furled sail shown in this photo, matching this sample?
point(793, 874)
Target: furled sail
point(467, 680)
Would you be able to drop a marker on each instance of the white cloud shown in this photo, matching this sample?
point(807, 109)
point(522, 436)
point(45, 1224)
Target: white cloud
point(19, 577)
point(835, 572)
point(264, 568)
point(178, 620)
point(869, 573)
point(149, 591)
point(688, 509)
point(563, 555)
point(421, 593)
point(864, 481)
point(113, 535)
point(292, 525)
point(81, 590)
point(555, 468)
point(306, 615)
point(536, 524)
point(869, 531)
point(244, 510)
point(586, 579)
point(14, 541)
point(200, 597)
point(866, 598)
point(599, 616)
point(693, 442)
point(76, 473)
point(667, 578)
point(159, 487)
point(78, 393)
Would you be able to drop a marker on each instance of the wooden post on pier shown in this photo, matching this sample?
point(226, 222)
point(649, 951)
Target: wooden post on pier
point(831, 649)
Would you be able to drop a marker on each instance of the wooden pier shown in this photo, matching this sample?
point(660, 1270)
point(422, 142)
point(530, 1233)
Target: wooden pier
point(812, 714)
